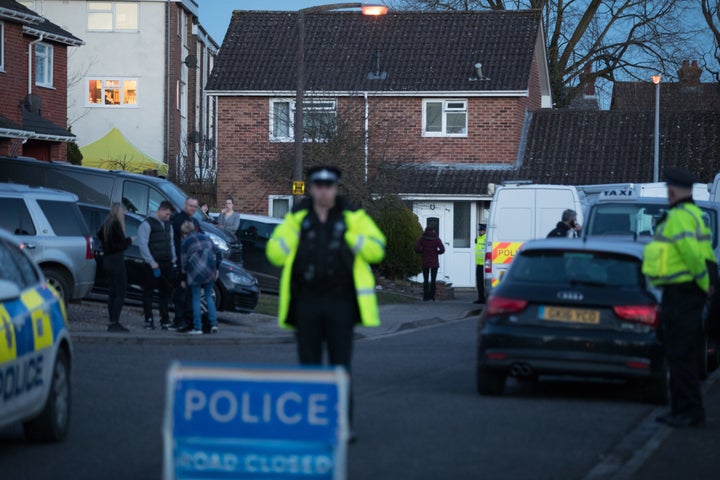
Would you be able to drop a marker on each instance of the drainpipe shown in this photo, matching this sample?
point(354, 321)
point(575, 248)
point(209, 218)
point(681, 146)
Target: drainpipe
point(167, 87)
point(367, 136)
point(30, 61)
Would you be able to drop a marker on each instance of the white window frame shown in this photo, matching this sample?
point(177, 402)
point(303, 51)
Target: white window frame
point(2, 46)
point(113, 12)
point(308, 106)
point(273, 198)
point(445, 110)
point(122, 103)
point(47, 58)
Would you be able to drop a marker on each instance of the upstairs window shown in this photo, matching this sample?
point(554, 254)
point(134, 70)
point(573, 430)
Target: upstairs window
point(444, 118)
point(113, 16)
point(319, 119)
point(112, 92)
point(44, 65)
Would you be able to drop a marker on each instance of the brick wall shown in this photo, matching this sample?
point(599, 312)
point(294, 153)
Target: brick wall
point(14, 82)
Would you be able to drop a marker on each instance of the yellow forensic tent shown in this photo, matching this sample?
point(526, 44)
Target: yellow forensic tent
point(115, 152)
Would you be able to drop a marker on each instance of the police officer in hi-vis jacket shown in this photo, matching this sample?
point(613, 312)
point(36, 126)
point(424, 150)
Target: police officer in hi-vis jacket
point(680, 259)
point(325, 247)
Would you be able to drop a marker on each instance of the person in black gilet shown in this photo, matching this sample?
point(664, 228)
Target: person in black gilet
point(157, 248)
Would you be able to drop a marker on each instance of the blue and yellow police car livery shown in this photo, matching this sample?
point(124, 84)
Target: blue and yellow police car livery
point(35, 348)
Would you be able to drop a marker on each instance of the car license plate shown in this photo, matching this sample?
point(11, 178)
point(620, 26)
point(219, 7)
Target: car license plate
point(572, 315)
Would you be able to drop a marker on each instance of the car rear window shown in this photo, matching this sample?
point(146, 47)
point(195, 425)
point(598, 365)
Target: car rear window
point(571, 267)
point(636, 218)
point(64, 217)
point(15, 217)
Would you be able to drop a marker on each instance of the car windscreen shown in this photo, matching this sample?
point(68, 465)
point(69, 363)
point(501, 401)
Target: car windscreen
point(576, 268)
point(65, 218)
point(636, 219)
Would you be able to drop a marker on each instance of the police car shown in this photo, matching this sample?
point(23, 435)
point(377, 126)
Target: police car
point(35, 348)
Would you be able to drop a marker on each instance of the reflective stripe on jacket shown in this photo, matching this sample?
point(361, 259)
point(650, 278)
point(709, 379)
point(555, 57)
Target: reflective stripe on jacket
point(480, 249)
point(680, 249)
point(363, 237)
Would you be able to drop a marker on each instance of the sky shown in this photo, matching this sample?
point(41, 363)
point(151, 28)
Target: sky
point(215, 14)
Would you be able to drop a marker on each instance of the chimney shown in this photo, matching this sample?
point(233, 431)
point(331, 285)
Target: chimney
point(689, 74)
point(589, 85)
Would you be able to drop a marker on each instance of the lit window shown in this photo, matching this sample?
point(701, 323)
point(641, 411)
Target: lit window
point(43, 65)
point(28, 3)
point(113, 16)
point(444, 118)
point(109, 92)
point(319, 119)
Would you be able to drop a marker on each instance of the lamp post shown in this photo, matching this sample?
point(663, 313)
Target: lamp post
point(299, 130)
point(656, 155)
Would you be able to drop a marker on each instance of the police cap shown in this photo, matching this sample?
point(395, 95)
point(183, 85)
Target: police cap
point(679, 177)
point(324, 174)
point(482, 226)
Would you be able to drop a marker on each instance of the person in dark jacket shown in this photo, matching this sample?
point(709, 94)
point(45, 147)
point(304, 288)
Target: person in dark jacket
point(114, 243)
point(430, 247)
point(567, 227)
point(157, 248)
point(181, 298)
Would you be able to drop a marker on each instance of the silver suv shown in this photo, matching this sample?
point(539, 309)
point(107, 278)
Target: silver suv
point(49, 226)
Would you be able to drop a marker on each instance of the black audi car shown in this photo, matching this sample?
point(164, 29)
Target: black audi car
point(573, 307)
point(235, 289)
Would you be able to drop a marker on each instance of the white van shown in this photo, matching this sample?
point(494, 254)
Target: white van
point(627, 191)
point(520, 212)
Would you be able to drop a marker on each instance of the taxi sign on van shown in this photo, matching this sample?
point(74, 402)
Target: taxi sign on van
point(618, 193)
point(224, 421)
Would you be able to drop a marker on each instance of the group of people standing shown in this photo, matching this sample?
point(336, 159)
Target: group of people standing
point(176, 254)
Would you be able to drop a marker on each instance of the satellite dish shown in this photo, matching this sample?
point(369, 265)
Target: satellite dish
point(33, 103)
point(191, 61)
point(195, 137)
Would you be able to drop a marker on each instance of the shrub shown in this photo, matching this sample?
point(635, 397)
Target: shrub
point(74, 155)
point(402, 229)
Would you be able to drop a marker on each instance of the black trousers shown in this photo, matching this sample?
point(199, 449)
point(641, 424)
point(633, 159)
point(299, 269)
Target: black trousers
point(329, 319)
point(114, 266)
point(429, 284)
point(480, 281)
point(681, 331)
point(163, 285)
point(182, 300)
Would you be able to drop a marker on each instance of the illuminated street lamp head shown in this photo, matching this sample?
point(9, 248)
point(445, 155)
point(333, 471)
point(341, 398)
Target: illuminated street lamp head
point(656, 79)
point(374, 9)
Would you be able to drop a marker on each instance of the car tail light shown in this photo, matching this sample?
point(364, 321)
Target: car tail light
point(501, 305)
point(645, 314)
point(88, 248)
point(488, 262)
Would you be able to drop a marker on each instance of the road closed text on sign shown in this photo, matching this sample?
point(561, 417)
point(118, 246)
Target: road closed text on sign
point(240, 422)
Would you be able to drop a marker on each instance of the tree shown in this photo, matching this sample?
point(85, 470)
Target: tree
point(617, 38)
point(194, 169)
point(711, 14)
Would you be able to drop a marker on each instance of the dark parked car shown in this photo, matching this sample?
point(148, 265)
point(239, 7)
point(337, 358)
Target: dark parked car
point(254, 232)
point(235, 289)
point(573, 307)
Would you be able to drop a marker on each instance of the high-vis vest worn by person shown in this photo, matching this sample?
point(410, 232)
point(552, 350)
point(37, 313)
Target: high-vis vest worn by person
point(362, 236)
point(480, 249)
point(680, 248)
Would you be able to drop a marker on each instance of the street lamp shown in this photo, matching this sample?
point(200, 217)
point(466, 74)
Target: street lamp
point(299, 131)
point(656, 156)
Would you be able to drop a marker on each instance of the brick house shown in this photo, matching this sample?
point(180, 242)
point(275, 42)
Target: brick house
point(33, 84)
point(403, 94)
point(138, 84)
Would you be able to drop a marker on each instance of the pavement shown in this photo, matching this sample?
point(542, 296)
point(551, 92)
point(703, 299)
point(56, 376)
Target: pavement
point(648, 451)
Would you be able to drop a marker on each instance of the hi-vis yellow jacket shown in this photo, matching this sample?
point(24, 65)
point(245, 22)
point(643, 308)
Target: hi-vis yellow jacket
point(680, 249)
point(480, 249)
point(363, 237)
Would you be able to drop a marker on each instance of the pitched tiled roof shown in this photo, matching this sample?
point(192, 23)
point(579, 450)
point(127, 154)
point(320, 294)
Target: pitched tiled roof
point(34, 123)
point(420, 51)
point(640, 96)
point(7, 124)
point(53, 32)
point(18, 8)
point(581, 148)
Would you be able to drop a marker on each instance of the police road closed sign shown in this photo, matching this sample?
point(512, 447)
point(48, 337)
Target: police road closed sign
point(240, 422)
